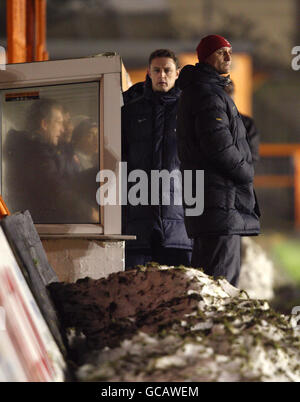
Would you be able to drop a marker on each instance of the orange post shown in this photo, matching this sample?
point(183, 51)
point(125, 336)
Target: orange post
point(30, 30)
point(16, 31)
point(3, 209)
point(26, 30)
point(40, 30)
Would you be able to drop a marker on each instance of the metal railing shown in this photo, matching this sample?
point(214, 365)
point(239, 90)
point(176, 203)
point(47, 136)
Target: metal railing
point(276, 181)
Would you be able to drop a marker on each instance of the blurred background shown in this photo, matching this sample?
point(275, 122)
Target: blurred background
point(263, 34)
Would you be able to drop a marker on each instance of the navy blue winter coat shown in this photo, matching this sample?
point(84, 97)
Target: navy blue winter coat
point(149, 143)
point(212, 137)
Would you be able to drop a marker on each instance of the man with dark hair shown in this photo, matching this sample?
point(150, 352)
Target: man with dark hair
point(45, 119)
point(148, 144)
point(32, 173)
point(137, 90)
point(212, 137)
point(164, 53)
point(35, 178)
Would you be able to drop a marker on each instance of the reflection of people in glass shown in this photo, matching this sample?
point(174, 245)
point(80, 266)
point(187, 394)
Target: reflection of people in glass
point(85, 144)
point(38, 176)
point(69, 162)
point(32, 164)
point(68, 127)
point(46, 122)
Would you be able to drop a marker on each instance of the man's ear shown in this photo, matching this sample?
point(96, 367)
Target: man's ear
point(148, 72)
point(177, 72)
point(44, 125)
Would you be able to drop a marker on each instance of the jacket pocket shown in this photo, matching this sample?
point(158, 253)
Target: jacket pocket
point(219, 197)
point(256, 207)
point(245, 200)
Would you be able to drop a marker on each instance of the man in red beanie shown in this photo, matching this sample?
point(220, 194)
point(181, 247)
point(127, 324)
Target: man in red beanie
point(212, 137)
point(216, 51)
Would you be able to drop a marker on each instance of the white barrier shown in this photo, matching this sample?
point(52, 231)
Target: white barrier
point(2, 319)
point(28, 351)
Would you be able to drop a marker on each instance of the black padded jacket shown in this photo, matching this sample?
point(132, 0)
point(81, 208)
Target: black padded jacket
point(212, 137)
point(149, 144)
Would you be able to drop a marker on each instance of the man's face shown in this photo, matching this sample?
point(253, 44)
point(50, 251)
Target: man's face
point(53, 127)
point(221, 60)
point(163, 74)
point(68, 128)
point(89, 143)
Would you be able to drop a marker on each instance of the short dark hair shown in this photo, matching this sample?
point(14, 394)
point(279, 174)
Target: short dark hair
point(164, 53)
point(41, 109)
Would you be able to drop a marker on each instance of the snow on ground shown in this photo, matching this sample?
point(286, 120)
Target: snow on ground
point(257, 271)
point(159, 323)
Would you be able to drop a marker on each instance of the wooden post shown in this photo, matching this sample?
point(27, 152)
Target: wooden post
point(41, 53)
point(16, 31)
point(30, 30)
point(26, 30)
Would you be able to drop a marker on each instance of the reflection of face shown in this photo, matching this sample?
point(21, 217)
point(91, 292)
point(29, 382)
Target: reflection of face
point(221, 60)
point(53, 127)
point(93, 139)
point(68, 128)
point(163, 74)
point(89, 142)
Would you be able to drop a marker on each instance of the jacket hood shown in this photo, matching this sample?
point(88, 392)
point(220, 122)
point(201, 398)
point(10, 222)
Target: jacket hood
point(133, 92)
point(201, 72)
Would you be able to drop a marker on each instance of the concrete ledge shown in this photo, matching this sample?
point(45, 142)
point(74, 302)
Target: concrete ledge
point(91, 236)
point(76, 258)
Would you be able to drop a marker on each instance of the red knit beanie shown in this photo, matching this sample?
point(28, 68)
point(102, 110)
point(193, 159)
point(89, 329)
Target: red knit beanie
point(209, 45)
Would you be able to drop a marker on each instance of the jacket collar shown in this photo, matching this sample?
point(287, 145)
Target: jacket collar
point(201, 72)
point(161, 97)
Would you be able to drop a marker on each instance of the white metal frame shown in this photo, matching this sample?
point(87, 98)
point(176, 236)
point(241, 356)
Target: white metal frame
point(106, 70)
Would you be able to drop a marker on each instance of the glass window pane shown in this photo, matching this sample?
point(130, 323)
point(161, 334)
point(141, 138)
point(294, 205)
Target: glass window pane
point(50, 144)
